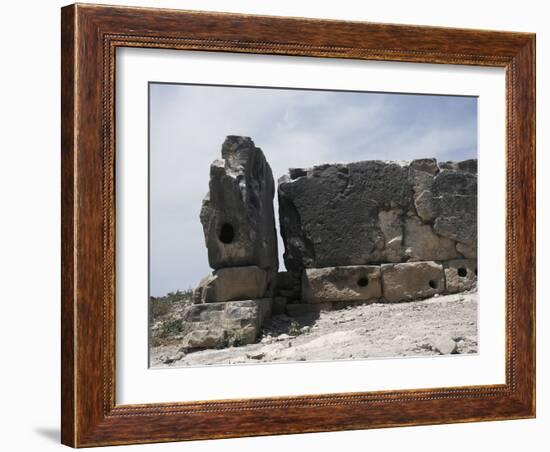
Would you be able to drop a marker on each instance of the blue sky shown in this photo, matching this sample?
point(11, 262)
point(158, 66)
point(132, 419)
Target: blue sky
point(294, 128)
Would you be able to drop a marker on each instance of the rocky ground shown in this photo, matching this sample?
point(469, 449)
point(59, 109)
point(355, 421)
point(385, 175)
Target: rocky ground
point(438, 325)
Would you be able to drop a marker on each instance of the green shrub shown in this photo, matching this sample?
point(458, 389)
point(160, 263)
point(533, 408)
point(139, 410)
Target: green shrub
point(170, 328)
point(294, 329)
point(162, 305)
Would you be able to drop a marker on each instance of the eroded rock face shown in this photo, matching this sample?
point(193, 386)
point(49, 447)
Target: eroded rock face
point(217, 325)
point(330, 213)
point(411, 281)
point(455, 205)
point(351, 283)
point(233, 283)
point(422, 243)
point(237, 213)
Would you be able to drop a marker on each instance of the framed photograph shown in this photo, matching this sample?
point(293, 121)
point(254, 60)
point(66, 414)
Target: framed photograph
point(281, 225)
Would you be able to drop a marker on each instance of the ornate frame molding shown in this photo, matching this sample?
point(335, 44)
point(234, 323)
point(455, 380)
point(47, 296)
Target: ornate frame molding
point(90, 36)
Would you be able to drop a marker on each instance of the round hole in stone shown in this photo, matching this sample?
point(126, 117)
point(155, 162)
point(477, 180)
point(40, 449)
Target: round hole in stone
point(433, 283)
point(363, 281)
point(462, 272)
point(227, 233)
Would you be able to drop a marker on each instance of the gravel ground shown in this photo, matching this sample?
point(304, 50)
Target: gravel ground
point(435, 326)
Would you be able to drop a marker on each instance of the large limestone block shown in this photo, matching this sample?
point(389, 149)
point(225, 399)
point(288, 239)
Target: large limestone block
point(218, 325)
point(422, 174)
point(330, 213)
point(350, 283)
point(422, 243)
point(237, 213)
point(390, 223)
point(469, 251)
point(455, 205)
point(460, 274)
point(411, 281)
point(234, 283)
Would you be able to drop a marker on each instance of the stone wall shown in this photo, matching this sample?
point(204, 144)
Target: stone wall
point(357, 232)
point(378, 230)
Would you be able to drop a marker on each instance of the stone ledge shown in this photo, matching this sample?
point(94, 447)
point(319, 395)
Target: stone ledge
point(348, 283)
point(231, 284)
point(218, 325)
point(411, 281)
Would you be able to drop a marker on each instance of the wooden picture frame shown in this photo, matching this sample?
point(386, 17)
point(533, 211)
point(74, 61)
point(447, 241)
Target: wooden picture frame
point(90, 36)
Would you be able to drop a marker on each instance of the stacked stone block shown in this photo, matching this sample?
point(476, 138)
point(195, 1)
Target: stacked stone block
point(239, 229)
point(378, 230)
point(373, 230)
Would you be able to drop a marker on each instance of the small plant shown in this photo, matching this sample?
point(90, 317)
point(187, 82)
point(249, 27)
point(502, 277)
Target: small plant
point(170, 328)
point(294, 329)
point(161, 306)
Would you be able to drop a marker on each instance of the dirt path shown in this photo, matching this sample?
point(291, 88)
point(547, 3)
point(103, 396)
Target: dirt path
point(439, 325)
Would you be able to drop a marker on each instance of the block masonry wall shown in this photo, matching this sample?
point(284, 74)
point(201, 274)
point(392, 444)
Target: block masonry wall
point(386, 230)
point(370, 230)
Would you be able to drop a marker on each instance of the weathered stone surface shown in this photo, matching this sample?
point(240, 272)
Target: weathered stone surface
point(455, 205)
point(424, 206)
point(469, 251)
point(391, 226)
point(460, 274)
point(469, 166)
point(351, 283)
point(319, 204)
point(377, 212)
point(234, 283)
point(237, 213)
point(422, 177)
point(298, 309)
point(448, 166)
point(422, 243)
point(279, 305)
point(288, 285)
point(216, 325)
point(425, 165)
point(410, 281)
point(445, 346)
point(203, 339)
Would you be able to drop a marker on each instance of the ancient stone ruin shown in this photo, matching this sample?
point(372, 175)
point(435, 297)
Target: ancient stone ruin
point(386, 231)
point(239, 229)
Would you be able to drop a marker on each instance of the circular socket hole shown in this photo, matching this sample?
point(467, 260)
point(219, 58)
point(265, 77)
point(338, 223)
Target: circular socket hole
point(462, 272)
point(227, 233)
point(433, 284)
point(363, 281)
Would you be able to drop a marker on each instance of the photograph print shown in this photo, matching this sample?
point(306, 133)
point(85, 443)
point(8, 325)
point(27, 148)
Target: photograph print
point(295, 225)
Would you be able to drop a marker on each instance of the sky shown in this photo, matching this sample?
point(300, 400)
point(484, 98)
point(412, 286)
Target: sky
point(294, 128)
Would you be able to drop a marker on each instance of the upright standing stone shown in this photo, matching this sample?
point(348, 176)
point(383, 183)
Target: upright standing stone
point(237, 213)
